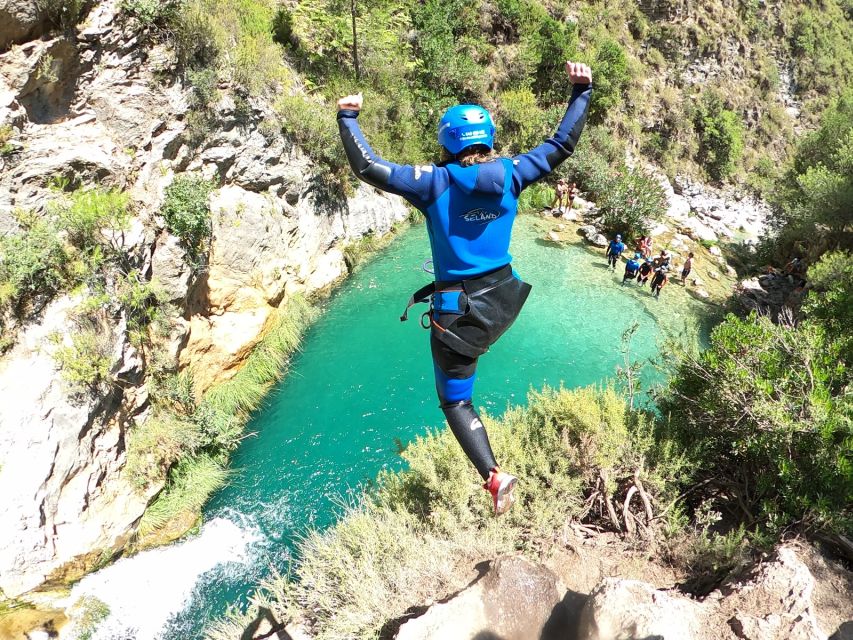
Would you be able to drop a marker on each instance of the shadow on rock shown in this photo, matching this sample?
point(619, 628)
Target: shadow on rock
point(844, 632)
point(265, 626)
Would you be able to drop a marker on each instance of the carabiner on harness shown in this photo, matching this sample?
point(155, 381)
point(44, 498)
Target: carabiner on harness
point(426, 319)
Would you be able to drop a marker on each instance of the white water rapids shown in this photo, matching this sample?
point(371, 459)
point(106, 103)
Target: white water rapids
point(144, 591)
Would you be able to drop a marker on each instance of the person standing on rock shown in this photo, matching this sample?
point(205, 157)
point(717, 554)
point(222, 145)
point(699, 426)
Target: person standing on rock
point(645, 271)
point(572, 194)
point(614, 250)
point(561, 190)
point(469, 200)
point(659, 280)
point(687, 268)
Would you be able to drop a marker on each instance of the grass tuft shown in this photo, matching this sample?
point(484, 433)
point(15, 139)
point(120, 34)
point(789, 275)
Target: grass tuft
point(190, 485)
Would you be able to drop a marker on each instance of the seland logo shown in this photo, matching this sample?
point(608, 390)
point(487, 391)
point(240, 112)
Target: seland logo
point(473, 134)
point(481, 216)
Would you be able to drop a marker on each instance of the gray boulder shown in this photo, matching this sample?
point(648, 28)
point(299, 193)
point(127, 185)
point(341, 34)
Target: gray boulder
point(514, 600)
point(20, 20)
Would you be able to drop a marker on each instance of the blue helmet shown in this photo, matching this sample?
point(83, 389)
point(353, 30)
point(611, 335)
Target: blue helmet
point(465, 125)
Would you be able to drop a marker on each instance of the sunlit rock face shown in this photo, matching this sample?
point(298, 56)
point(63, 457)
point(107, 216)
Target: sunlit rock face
point(94, 107)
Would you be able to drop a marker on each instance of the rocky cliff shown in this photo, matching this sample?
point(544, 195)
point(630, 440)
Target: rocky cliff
point(97, 106)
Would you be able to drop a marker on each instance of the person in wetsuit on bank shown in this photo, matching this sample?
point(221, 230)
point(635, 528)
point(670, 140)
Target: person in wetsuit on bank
point(469, 201)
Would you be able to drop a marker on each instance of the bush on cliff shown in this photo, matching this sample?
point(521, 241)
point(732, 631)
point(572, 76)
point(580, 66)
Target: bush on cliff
point(187, 212)
point(813, 202)
point(767, 416)
point(32, 263)
point(720, 136)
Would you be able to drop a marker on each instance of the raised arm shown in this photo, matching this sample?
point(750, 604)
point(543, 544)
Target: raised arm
point(413, 183)
point(535, 164)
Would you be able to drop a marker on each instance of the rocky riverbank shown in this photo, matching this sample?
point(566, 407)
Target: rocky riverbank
point(575, 595)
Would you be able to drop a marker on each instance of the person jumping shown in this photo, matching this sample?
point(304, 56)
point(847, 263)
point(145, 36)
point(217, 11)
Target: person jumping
point(469, 200)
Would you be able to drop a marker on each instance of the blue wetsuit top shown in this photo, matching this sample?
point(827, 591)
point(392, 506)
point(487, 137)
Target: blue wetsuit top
point(632, 266)
point(469, 210)
point(615, 248)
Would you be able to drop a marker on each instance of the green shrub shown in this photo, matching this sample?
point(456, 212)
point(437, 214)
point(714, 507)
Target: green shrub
point(201, 117)
point(720, 135)
point(142, 301)
point(765, 413)
point(610, 75)
point(92, 218)
point(820, 40)
point(62, 14)
point(814, 199)
point(156, 445)
point(92, 613)
point(190, 485)
point(6, 146)
point(187, 212)
point(194, 35)
point(33, 262)
point(631, 200)
point(87, 361)
point(830, 300)
point(535, 198)
point(313, 127)
point(150, 12)
point(521, 123)
point(282, 26)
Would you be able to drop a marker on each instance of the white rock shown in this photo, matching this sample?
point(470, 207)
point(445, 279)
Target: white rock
point(698, 230)
point(714, 275)
point(630, 609)
point(514, 600)
point(714, 250)
point(60, 473)
point(659, 229)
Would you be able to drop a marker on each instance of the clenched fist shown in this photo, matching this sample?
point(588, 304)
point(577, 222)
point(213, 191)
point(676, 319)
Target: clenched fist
point(579, 73)
point(351, 102)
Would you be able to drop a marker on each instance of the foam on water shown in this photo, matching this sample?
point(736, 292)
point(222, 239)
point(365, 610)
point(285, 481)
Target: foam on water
point(144, 591)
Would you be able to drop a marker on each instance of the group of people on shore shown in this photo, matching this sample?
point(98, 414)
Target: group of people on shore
point(643, 266)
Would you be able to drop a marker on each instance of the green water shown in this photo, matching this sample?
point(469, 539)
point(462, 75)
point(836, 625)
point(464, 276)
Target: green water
point(364, 379)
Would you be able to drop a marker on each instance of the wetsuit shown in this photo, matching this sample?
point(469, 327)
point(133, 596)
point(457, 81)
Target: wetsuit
point(631, 269)
point(658, 281)
point(469, 214)
point(645, 272)
point(614, 251)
